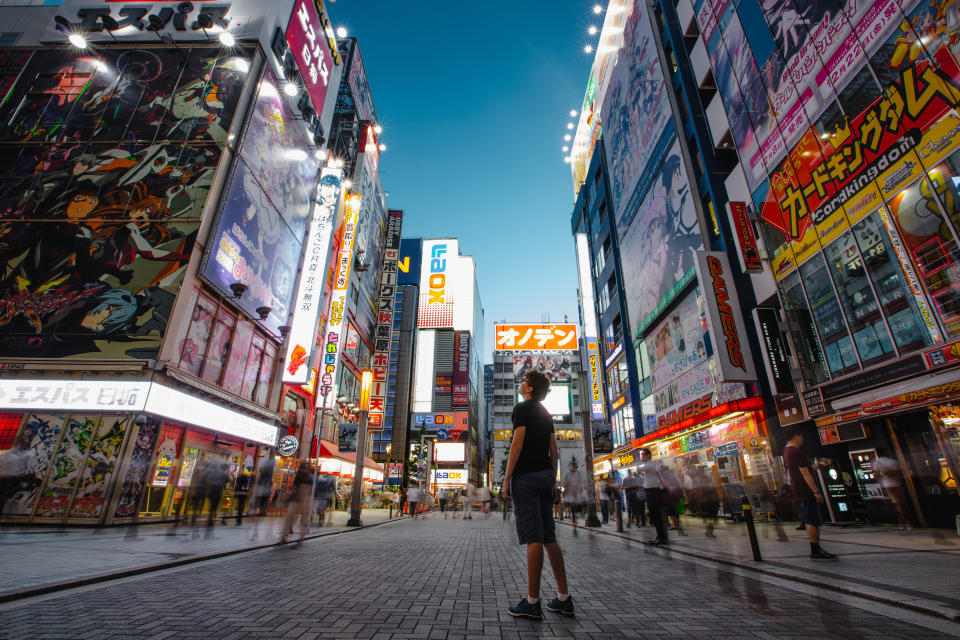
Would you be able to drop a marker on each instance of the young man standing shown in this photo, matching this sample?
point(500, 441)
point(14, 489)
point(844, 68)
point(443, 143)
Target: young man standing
point(530, 481)
point(653, 486)
point(806, 495)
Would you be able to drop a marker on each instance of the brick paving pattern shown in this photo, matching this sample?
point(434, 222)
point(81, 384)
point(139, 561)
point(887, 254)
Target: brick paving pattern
point(439, 579)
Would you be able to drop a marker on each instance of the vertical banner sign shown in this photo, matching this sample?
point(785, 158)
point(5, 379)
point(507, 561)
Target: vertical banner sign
point(745, 236)
point(461, 369)
point(332, 337)
point(312, 48)
point(590, 332)
point(303, 329)
point(385, 310)
point(778, 365)
point(734, 359)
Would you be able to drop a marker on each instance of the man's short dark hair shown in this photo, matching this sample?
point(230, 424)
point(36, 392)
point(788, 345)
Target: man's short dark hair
point(539, 384)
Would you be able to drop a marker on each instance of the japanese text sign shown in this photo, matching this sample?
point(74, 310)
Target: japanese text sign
point(385, 314)
point(302, 340)
point(461, 369)
point(310, 45)
point(332, 343)
point(536, 337)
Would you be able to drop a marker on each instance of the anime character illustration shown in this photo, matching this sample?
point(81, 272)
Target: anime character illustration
point(102, 201)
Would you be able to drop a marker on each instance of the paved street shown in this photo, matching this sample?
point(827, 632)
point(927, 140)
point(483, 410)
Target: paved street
point(447, 579)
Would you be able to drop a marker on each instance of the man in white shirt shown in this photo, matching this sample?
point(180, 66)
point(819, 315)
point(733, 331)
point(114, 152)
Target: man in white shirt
point(656, 495)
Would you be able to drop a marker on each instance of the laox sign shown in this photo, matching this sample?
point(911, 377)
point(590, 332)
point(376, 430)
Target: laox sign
point(437, 291)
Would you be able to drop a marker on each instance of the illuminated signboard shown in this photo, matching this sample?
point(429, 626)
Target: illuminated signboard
point(332, 343)
point(449, 451)
point(590, 332)
point(727, 330)
point(461, 369)
point(303, 328)
point(385, 312)
point(436, 284)
point(450, 424)
point(536, 337)
point(458, 477)
point(312, 43)
point(122, 396)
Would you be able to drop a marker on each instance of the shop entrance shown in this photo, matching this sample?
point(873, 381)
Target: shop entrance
point(930, 452)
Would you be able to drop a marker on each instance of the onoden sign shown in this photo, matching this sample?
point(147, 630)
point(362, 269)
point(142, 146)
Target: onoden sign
point(536, 337)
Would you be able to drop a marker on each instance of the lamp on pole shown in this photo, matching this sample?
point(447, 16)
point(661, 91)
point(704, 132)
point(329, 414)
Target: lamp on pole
point(366, 380)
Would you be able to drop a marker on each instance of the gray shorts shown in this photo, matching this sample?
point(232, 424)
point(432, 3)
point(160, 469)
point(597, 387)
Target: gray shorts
point(532, 496)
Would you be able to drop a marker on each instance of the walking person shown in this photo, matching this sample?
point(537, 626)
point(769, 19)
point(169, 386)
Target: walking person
point(444, 498)
point(652, 483)
point(483, 495)
point(261, 494)
point(18, 468)
point(631, 484)
point(530, 481)
point(608, 499)
point(242, 491)
point(413, 499)
point(323, 492)
point(216, 479)
point(806, 496)
point(673, 494)
point(468, 493)
point(401, 500)
point(573, 491)
point(891, 479)
point(299, 506)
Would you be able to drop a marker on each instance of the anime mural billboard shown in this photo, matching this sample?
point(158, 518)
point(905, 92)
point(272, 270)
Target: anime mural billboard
point(635, 117)
point(108, 162)
point(658, 249)
point(265, 213)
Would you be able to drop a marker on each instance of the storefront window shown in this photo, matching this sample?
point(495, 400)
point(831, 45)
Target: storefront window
point(859, 304)
point(931, 246)
point(195, 345)
point(808, 347)
point(266, 373)
point(252, 373)
point(886, 273)
point(837, 345)
point(219, 347)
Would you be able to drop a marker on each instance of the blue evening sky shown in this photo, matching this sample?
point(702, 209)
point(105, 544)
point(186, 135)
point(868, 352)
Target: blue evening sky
point(474, 98)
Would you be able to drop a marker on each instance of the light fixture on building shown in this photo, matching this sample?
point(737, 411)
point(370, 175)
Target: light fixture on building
point(291, 89)
point(383, 147)
point(264, 312)
point(238, 289)
point(592, 30)
point(588, 49)
point(227, 39)
point(347, 184)
point(573, 113)
point(77, 40)
point(569, 125)
point(341, 32)
point(567, 137)
point(377, 129)
point(566, 148)
point(597, 9)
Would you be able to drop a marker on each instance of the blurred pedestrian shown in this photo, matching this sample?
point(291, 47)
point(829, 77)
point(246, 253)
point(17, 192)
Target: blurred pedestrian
point(505, 505)
point(444, 499)
point(198, 492)
point(631, 484)
point(656, 494)
point(484, 496)
point(573, 490)
point(413, 499)
point(323, 492)
point(468, 493)
point(891, 479)
point(807, 497)
point(706, 498)
point(608, 498)
point(18, 468)
point(530, 481)
point(216, 478)
point(242, 492)
point(402, 500)
point(262, 490)
point(673, 492)
point(299, 506)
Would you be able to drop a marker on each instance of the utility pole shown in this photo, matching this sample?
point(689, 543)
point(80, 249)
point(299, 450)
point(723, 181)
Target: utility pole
point(585, 415)
point(356, 501)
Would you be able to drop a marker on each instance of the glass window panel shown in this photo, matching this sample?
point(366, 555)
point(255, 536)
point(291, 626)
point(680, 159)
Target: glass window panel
point(932, 249)
point(253, 367)
point(266, 372)
point(195, 344)
point(885, 271)
point(859, 304)
point(827, 316)
point(219, 346)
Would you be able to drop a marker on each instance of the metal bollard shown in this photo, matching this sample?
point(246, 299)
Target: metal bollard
point(751, 531)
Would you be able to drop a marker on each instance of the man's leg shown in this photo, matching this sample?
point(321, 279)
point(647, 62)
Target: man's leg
point(813, 534)
point(656, 515)
point(535, 567)
point(556, 563)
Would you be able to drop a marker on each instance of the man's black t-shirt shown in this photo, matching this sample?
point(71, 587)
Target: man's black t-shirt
point(535, 453)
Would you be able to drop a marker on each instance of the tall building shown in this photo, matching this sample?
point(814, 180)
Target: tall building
point(448, 386)
point(167, 174)
point(655, 266)
point(552, 349)
point(488, 418)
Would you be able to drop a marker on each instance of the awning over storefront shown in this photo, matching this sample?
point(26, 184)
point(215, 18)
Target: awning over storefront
point(342, 463)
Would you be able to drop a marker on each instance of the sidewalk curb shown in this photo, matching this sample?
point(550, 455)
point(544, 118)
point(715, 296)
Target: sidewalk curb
point(954, 617)
point(51, 587)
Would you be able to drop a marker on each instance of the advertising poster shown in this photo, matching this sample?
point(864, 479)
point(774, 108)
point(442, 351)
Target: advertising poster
point(461, 369)
point(371, 227)
point(99, 467)
point(385, 315)
point(437, 283)
point(42, 431)
point(137, 470)
point(724, 319)
point(408, 264)
point(109, 165)
point(557, 366)
point(347, 440)
point(312, 49)
point(678, 343)
point(659, 248)
point(360, 88)
point(635, 115)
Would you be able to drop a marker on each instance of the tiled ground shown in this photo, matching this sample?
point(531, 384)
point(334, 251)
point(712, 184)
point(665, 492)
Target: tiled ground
point(445, 579)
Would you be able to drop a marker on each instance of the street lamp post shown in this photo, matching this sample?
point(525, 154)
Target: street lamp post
point(591, 520)
point(366, 378)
